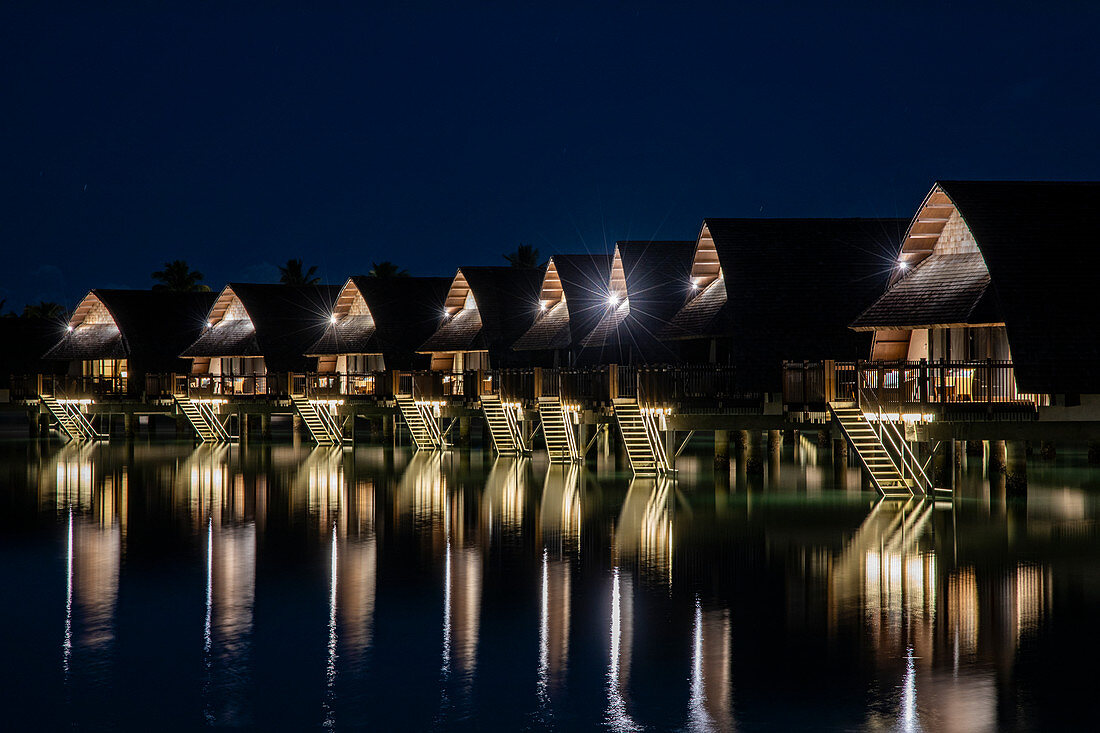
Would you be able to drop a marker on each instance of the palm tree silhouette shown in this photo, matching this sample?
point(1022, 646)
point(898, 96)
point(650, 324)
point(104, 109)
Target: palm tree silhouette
point(45, 310)
point(524, 256)
point(178, 277)
point(386, 269)
point(294, 273)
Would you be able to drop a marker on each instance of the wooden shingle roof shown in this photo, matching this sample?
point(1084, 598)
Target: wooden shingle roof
point(788, 289)
point(279, 324)
point(1036, 241)
point(401, 313)
point(653, 281)
point(146, 326)
point(574, 290)
point(506, 300)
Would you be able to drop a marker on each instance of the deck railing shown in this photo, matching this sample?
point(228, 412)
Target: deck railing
point(904, 384)
point(211, 386)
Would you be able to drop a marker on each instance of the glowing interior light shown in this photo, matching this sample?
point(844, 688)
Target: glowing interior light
point(613, 299)
point(332, 319)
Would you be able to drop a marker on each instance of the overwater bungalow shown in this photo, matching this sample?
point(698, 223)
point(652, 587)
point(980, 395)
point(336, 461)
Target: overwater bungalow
point(377, 324)
point(763, 290)
point(486, 310)
point(126, 344)
point(256, 336)
point(572, 301)
point(646, 285)
point(988, 301)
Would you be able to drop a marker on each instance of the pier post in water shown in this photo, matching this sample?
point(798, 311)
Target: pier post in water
point(1016, 468)
point(722, 449)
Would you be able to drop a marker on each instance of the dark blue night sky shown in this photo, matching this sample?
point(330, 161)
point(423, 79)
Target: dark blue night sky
point(435, 137)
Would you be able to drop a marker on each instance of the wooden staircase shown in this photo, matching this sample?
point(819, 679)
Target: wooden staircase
point(502, 427)
point(421, 423)
point(70, 419)
point(204, 420)
point(872, 452)
point(320, 421)
point(561, 440)
point(643, 444)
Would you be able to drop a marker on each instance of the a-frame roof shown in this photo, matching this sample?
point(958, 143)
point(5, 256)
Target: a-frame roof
point(647, 284)
point(277, 322)
point(150, 326)
point(785, 288)
point(1028, 266)
point(487, 309)
point(572, 299)
point(389, 316)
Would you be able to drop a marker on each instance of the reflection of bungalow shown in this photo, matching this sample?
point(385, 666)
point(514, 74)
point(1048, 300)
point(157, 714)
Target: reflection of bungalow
point(486, 310)
point(572, 301)
point(377, 324)
point(764, 290)
point(117, 338)
point(994, 271)
point(646, 285)
point(256, 335)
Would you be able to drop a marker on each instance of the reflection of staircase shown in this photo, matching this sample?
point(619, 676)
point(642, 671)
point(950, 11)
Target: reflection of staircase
point(72, 421)
point(871, 451)
point(502, 426)
point(643, 443)
point(421, 422)
point(320, 421)
point(561, 441)
point(204, 420)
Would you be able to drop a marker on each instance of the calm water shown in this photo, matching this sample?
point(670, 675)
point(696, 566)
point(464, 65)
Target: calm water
point(281, 587)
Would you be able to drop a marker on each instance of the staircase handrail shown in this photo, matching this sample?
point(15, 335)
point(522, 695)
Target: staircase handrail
point(206, 410)
point(906, 457)
point(80, 420)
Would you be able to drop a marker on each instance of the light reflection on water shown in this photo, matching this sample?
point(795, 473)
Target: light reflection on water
point(570, 598)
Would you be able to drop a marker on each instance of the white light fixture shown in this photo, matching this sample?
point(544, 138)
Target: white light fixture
point(694, 285)
point(902, 264)
point(445, 313)
point(332, 319)
point(209, 324)
point(613, 299)
point(542, 305)
point(69, 329)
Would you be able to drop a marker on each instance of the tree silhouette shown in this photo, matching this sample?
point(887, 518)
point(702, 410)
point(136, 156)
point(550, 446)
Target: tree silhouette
point(524, 256)
point(45, 310)
point(294, 273)
point(386, 269)
point(178, 277)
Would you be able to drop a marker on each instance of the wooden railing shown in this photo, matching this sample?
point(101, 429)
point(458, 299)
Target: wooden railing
point(899, 385)
point(31, 386)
